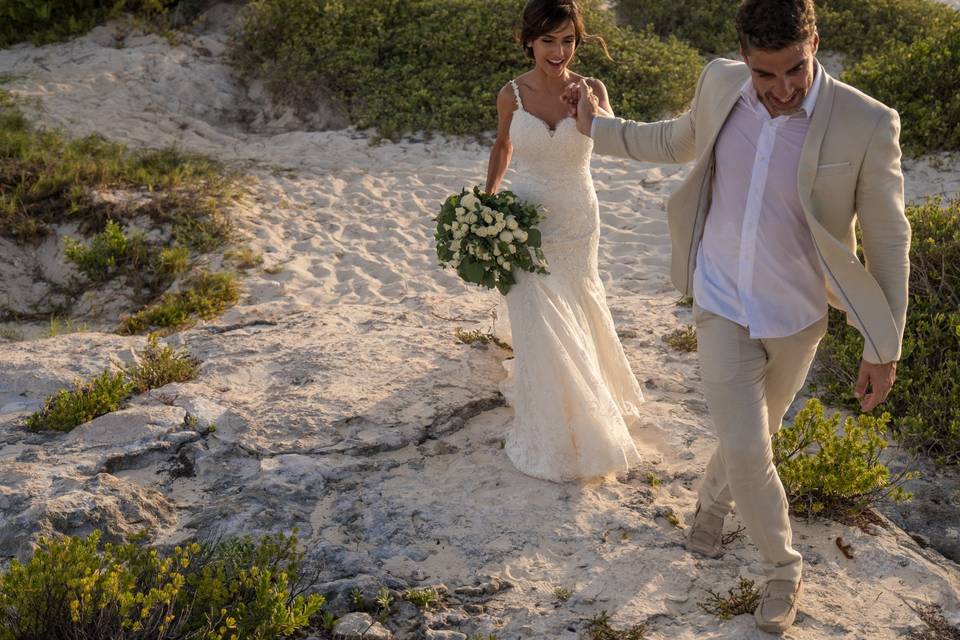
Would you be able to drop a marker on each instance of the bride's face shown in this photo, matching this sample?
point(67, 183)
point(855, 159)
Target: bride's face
point(553, 51)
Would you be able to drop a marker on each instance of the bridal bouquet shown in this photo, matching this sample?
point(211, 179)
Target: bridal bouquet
point(487, 237)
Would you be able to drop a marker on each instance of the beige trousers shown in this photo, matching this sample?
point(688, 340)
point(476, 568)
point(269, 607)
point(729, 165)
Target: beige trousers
point(749, 384)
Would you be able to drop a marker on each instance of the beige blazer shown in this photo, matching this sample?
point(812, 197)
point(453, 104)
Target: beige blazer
point(849, 169)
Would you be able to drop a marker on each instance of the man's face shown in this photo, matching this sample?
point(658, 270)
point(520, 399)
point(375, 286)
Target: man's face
point(783, 77)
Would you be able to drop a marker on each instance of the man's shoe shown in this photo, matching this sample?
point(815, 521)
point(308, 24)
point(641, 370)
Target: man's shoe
point(778, 605)
point(705, 534)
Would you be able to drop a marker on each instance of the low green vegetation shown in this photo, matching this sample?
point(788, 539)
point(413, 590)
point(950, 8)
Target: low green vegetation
point(904, 53)
point(926, 417)
point(88, 399)
point(562, 593)
point(43, 21)
point(832, 473)
point(744, 598)
point(160, 364)
point(406, 66)
point(205, 295)
point(682, 338)
point(423, 598)
point(82, 588)
point(156, 366)
point(705, 24)
point(599, 628)
point(920, 80)
point(478, 337)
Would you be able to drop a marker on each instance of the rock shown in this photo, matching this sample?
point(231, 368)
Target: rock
point(135, 425)
point(360, 626)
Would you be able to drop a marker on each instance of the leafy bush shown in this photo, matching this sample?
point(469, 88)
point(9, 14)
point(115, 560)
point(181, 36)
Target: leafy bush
point(599, 628)
point(921, 81)
point(205, 295)
point(827, 473)
point(42, 21)
point(682, 338)
point(904, 53)
point(157, 365)
point(744, 598)
point(79, 588)
point(48, 178)
point(861, 27)
point(437, 65)
point(705, 24)
point(108, 249)
point(923, 399)
point(67, 409)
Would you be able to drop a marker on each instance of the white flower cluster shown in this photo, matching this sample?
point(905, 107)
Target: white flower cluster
point(472, 217)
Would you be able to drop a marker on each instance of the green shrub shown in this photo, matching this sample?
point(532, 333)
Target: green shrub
point(861, 27)
point(824, 472)
point(205, 295)
point(705, 24)
point(107, 250)
point(851, 27)
point(904, 53)
point(922, 82)
point(79, 588)
point(66, 409)
point(599, 628)
point(923, 399)
point(42, 21)
point(159, 365)
point(48, 179)
point(744, 598)
point(682, 338)
point(437, 65)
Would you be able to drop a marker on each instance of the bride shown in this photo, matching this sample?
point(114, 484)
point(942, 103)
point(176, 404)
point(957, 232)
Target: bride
point(571, 387)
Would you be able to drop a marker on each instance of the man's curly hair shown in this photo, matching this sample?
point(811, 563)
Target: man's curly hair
point(771, 25)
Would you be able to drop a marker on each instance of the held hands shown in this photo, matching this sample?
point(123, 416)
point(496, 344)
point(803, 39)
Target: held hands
point(879, 377)
point(582, 104)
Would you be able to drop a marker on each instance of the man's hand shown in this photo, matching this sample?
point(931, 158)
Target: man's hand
point(879, 378)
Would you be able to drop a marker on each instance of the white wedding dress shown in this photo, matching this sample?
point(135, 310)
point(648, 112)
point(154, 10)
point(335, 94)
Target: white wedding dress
point(570, 385)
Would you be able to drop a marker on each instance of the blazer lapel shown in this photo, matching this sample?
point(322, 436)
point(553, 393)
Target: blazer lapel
point(810, 152)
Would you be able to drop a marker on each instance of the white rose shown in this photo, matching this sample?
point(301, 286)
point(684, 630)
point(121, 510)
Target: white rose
point(472, 218)
point(460, 211)
point(499, 259)
point(521, 235)
point(512, 223)
point(496, 251)
point(506, 236)
point(488, 218)
point(506, 266)
point(455, 245)
point(469, 201)
point(513, 248)
point(499, 216)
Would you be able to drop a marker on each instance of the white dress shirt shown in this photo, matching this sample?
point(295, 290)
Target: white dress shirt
point(757, 264)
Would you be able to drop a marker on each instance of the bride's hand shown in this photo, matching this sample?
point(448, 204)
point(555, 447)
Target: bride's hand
point(571, 96)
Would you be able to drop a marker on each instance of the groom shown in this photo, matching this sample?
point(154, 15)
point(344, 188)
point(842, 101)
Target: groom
point(786, 161)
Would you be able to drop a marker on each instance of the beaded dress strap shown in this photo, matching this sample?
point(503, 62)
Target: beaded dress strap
point(516, 93)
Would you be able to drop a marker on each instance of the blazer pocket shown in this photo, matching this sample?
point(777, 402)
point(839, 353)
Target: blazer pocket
point(832, 168)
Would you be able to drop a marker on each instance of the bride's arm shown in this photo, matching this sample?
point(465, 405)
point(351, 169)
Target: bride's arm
point(502, 147)
point(600, 90)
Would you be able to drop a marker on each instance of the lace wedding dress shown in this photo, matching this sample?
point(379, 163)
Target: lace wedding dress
point(569, 383)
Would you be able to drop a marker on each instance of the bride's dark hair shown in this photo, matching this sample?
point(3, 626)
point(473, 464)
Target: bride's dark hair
point(544, 16)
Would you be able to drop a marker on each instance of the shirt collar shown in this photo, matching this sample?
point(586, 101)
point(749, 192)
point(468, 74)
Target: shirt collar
point(749, 94)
